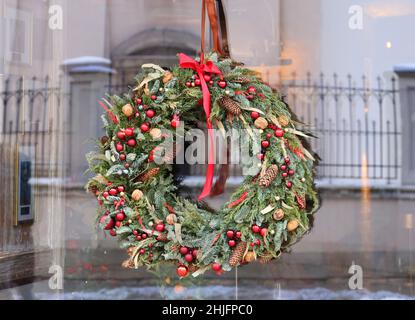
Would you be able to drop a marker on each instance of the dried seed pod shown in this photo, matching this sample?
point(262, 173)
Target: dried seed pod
point(155, 133)
point(128, 264)
point(104, 140)
point(292, 225)
point(283, 120)
point(278, 214)
point(137, 194)
point(261, 123)
point(130, 250)
point(167, 76)
point(250, 256)
point(127, 110)
point(171, 219)
point(100, 178)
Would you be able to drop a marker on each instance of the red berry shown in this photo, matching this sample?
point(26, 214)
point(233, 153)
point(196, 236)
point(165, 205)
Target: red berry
point(250, 97)
point(188, 84)
point(144, 127)
point(160, 227)
point(207, 77)
point(121, 135)
point(231, 243)
point(279, 133)
point(194, 253)
point(110, 223)
point(258, 242)
point(181, 271)
point(238, 234)
point(113, 191)
point(142, 251)
point(197, 82)
point(263, 232)
point(120, 188)
point(126, 166)
point(230, 234)
point(184, 250)
point(150, 113)
point(283, 167)
point(105, 194)
point(144, 236)
point(291, 172)
point(174, 123)
point(252, 244)
point(188, 257)
point(255, 228)
point(260, 156)
point(153, 97)
point(131, 143)
point(138, 237)
point(289, 184)
point(265, 144)
point(138, 101)
point(120, 216)
point(216, 266)
point(284, 174)
point(119, 147)
point(129, 132)
point(122, 157)
point(113, 232)
point(135, 232)
point(117, 224)
point(287, 160)
point(222, 84)
point(211, 82)
point(269, 135)
point(251, 90)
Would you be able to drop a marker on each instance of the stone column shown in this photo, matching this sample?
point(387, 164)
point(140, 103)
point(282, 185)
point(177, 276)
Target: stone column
point(88, 79)
point(406, 75)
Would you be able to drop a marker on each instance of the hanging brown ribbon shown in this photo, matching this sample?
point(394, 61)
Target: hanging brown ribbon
point(210, 7)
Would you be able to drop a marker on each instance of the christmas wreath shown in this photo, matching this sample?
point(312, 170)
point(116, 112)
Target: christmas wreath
point(137, 196)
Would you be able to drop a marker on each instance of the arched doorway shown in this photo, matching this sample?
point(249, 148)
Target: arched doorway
point(159, 46)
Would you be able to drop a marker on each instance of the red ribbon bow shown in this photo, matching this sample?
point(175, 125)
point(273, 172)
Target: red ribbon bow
point(202, 68)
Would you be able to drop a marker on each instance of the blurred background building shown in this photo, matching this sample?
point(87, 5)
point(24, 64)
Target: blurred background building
point(346, 68)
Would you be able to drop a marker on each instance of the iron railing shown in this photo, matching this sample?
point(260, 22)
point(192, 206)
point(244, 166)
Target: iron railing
point(357, 125)
point(29, 116)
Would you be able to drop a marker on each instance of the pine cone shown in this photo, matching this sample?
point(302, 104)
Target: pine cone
point(269, 176)
point(265, 259)
point(230, 105)
point(237, 254)
point(242, 80)
point(148, 174)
